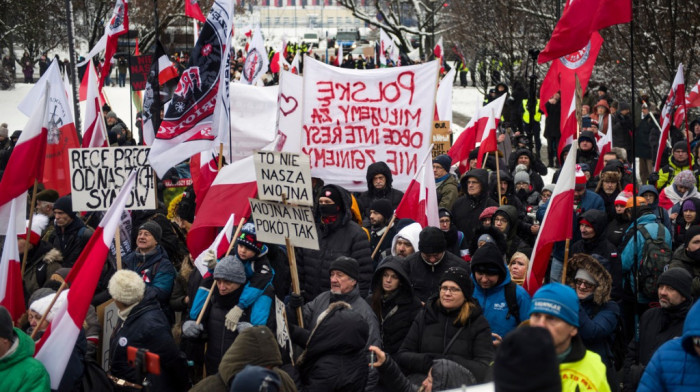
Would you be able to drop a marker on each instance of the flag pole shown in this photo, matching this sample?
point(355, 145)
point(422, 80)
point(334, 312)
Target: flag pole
point(221, 155)
point(32, 203)
point(213, 285)
point(46, 313)
point(118, 248)
point(486, 157)
point(388, 227)
point(566, 261)
point(498, 179)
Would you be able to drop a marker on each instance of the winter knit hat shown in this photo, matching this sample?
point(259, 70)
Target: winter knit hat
point(250, 240)
point(585, 275)
point(520, 168)
point(688, 205)
point(489, 260)
point(432, 240)
point(580, 178)
point(230, 269)
point(461, 277)
point(486, 238)
point(42, 304)
point(527, 362)
point(65, 204)
point(48, 195)
point(521, 177)
point(680, 145)
point(153, 228)
point(6, 325)
point(443, 160)
point(487, 213)
point(383, 207)
point(256, 379)
point(444, 212)
point(126, 287)
point(549, 187)
point(621, 199)
point(557, 300)
point(474, 154)
point(685, 179)
point(690, 233)
point(587, 136)
point(111, 115)
point(4, 131)
point(332, 193)
point(348, 266)
point(679, 279)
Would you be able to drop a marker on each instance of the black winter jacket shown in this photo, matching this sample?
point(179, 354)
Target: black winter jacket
point(425, 277)
point(466, 210)
point(341, 238)
point(70, 241)
point(366, 198)
point(431, 332)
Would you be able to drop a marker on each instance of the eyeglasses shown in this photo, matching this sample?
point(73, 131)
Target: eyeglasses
point(584, 284)
point(500, 220)
point(472, 182)
point(451, 290)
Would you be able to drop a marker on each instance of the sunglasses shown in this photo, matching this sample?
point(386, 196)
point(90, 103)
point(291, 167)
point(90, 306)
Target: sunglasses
point(584, 284)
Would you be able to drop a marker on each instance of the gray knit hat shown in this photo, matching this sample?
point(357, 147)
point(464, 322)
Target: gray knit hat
point(153, 228)
point(521, 176)
point(230, 269)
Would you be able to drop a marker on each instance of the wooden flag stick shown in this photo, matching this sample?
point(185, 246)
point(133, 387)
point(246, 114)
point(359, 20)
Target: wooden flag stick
point(296, 289)
point(53, 301)
point(388, 227)
point(25, 253)
point(221, 156)
point(213, 285)
point(118, 248)
point(566, 262)
point(486, 157)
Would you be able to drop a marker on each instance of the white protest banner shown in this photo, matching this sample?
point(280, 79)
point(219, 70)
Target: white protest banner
point(353, 118)
point(276, 221)
point(97, 175)
point(285, 173)
point(253, 120)
point(289, 112)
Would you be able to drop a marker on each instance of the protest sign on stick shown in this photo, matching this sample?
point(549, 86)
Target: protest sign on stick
point(440, 137)
point(283, 173)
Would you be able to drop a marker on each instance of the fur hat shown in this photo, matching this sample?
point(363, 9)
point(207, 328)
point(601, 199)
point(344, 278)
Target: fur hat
point(49, 195)
point(557, 300)
point(594, 273)
point(126, 287)
point(153, 228)
point(42, 304)
point(346, 265)
point(443, 160)
point(685, 179)
point(461, 277)
point(610, 176)
point(230, 269)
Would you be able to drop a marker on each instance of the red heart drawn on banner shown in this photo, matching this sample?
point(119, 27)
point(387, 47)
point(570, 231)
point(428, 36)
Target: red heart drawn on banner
point(288, 104)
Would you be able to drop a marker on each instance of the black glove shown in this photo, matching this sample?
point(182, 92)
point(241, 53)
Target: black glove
point(295, 301)
point(653, 178)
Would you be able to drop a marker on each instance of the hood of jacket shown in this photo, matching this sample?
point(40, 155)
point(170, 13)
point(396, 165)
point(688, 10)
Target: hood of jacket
point(449, 374)
point(650, 188)
point(691, 328)
point(490, 255)
point(259, 340)
point(346, 213)
point(599, 220)
point(505, 176)
point(25, 349)
point(410, 233)
point(601, 294)
point(379, 168)
point(511, 213)
point(518, 153)
point(480, 175)
point(494, 233)
point(395, 264)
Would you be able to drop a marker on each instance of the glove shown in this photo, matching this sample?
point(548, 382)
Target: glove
point(210, 259)
point(653, 178)
point(232, 318)
point(192, 330)
point(296, 301)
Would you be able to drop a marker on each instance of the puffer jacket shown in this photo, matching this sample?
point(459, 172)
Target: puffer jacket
point(598, 314)
point(656, 327)
point(342, 238)
point(425, 277)
point(466, 210)
point(431, 332)
point(42, 262)
point(71, 240)
point(157, 271)
point(682, 260)
point(19, 371)
point(146, 327)
point(397, 310)
point(335, 358)
point(668, 172)
point(254, 346)
point(676, 365)
point(366, 198)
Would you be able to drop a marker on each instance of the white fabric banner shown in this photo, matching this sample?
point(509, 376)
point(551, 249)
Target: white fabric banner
point(253, 120)
point(353, 118)
point(289, 113)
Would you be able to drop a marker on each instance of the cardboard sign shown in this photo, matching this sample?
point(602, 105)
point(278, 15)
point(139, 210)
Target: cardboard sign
point(276, 221)
point(139, 67)
point(353, 118)
point(285, 173)
point(107, 315)
point(440, 137)
point(97, 175)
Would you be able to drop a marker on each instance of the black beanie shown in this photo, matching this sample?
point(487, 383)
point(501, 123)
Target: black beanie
point(527, 362)
point(488, 258)
point(186, 208)
point(346, 265)
point(443, 160)
point(432, 240)
point(680, 145)
point(6, 330)
point(461, 277)
point(153, 228)
point(692, 232)
point(679, 279)
point(65, 204)
point(332, 193)
point(474, 154)
point(383, 207)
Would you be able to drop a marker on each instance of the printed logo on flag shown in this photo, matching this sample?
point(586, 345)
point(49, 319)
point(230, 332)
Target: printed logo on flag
point(253, 64)
point(118, 18)
point(576, 59)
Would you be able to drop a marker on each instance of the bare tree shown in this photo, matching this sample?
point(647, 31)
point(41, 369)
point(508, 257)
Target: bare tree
point(37, 26)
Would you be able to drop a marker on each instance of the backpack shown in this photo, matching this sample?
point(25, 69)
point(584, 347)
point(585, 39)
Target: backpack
point(656, 255)
point(512, 302)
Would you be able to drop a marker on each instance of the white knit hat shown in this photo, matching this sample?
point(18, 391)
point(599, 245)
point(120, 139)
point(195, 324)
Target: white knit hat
point(126, 287)
point(41, 304)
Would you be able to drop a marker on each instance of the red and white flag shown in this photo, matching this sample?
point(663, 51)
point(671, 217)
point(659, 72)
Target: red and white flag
point(117, 25)
point(228, 195)
point(556, 225)
point(474, 131)
point(56, 345)
point(11, 291)
point(166, 68)
point(489, 142)
point(256, 61)
point(604, 146)
point(580, 19)
point(61, 128)
point(199, 108)
point(692, 100)
point(203, 169)
point(219, 246)
point(438, 51)
point(676, 97)
point(95, 134)
point(419, 202)
point(294, 68)
point(192, 10)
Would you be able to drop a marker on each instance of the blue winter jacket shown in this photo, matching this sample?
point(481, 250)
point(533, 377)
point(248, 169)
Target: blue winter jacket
point(676, 365)
point(493, 302)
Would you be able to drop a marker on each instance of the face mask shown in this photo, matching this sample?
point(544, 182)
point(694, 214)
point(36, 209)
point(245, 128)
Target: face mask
point(328, 209)
point(695, 255)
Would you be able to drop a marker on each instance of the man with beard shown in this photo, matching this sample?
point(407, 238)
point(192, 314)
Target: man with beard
point(658, 325)
point(456, 244)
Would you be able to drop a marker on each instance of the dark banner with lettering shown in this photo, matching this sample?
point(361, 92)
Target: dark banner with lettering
point(139, 67)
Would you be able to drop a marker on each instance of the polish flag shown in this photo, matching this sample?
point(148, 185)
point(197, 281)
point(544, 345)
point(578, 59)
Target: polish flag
point(275, 63)
point(11, 291)
point(56, 345)
point(117, 25)
point(95, 134)
point(228, 195)
point(203, 168)
point(675, 97)
point(604, 147)
point(294, 68)
point(166, 68)
point(466, 142)
point(438, 51)
point(219, 246)
point(489, 143)
point(193, 11)
point(420, 200)
point(443, 98)
point(580, 19)
point(556, 225)
point(256, 59)
point(692, 100)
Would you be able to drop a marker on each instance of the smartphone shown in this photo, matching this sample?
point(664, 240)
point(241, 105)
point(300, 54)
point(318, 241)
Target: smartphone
point(152, 360)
